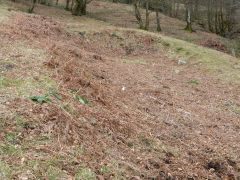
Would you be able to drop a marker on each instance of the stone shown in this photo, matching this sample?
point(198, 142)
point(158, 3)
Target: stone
point(181, 62)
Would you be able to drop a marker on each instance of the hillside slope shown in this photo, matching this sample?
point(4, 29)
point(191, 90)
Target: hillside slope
point(118, 104)
point(122, 15)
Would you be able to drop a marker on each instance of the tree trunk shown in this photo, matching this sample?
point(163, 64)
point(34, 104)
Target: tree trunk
point(42, 1)
point(56, 2)
point(231, 14)
point(77, 8)
point(129, 1)
point(72, 5)
point(196, 9)
point(174, 8)
point(209, 14)
point(221, 20)
point(80, 7)
point(84, 7)
point(170, 8)
point(216, 20)
point(177, 9)
point(30, 10)
point(137, 14)
point(147, 16)
point(158, 21)
point(189, 17)
point(67, 5)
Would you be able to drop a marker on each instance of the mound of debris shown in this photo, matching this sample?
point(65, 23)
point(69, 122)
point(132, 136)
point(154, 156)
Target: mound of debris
point(213, 44)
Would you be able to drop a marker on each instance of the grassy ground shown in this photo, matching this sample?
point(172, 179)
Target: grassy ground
point(123, 16)
point(121, 107)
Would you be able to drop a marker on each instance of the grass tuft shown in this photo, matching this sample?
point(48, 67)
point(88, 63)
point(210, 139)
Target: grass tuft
point(5, 171)
point(85, 174)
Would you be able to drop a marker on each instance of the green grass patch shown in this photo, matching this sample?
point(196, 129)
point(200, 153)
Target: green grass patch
point(5, 171)
point(11, 138)
point(237, 111)
point(20, 87)
point(134, 61)
point(193, 82)
point(5, 82)
point(85, 174)
point(8, 149)
point(105, 169)
point(55, 173)
point(47, 82)
point(3, 13)
point(117, 170)
point(215, 62)
point(79, 150)
point(212, 61)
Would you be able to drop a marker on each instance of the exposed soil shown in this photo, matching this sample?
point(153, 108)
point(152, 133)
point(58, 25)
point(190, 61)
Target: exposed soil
point(155, 122)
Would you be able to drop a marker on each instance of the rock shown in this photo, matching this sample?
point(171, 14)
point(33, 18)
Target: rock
point(177, 71)
point(181, 62)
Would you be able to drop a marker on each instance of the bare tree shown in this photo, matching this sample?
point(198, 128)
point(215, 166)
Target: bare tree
point(138, 14)
point(158, 21)
point(189, 15)
point(80, 7)
point(30, 10)
point(147, 16)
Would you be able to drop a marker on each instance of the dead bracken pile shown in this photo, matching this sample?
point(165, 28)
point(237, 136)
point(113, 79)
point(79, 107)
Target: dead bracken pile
point(213, 44)
point(161, 125)
point(32, 27)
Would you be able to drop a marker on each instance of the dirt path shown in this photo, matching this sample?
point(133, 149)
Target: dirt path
point(126, 110)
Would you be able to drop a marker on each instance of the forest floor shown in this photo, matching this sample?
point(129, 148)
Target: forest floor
point(114, 102)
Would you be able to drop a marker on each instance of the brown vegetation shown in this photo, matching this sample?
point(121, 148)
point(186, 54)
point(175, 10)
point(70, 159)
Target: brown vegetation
point(164, 124)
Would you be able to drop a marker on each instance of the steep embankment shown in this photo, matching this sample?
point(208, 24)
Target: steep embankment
point(121, 107)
